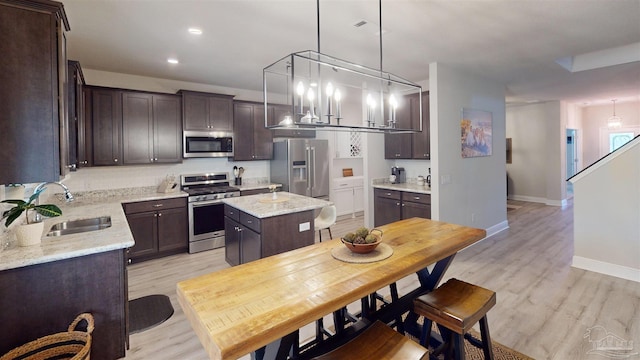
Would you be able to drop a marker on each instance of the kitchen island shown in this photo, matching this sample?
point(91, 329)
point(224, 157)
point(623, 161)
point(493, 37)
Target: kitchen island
point(260, 225)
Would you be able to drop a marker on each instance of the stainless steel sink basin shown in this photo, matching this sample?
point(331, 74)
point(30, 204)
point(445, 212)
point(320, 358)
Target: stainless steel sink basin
point(80, 226)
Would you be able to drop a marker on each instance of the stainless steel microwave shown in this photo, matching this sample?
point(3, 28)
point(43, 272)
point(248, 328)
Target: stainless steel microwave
point(207, 144)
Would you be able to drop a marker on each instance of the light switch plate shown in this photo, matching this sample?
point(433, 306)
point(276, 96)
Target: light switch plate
point(304, 226)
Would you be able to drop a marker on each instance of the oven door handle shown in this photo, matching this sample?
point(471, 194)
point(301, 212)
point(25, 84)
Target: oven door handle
point(205, 203)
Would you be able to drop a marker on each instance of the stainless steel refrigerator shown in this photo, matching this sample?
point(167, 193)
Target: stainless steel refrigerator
point(302, 166)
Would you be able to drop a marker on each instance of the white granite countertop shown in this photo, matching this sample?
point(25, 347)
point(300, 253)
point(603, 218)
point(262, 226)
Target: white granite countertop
point(255, 186)
point(409, 187)
point(263, 206)
point(87, 205)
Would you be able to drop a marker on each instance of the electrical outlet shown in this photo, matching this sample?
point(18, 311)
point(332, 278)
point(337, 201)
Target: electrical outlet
point(304, 226)
point(445, 179)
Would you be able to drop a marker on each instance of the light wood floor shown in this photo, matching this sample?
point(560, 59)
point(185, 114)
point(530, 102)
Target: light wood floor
point(544, 306)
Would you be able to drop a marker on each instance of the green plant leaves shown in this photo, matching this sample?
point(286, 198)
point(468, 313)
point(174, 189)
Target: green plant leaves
point(12, 214)
point(20, 206)
point(48, 210)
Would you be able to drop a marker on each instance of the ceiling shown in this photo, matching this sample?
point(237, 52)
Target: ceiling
point(514, 42)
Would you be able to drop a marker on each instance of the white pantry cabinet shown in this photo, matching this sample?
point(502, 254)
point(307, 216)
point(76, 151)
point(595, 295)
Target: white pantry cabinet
point(348, 195)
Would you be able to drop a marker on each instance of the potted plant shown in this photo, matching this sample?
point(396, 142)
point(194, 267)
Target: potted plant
point(29, 233)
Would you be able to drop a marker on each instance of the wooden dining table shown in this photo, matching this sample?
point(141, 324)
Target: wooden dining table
point(242, 309)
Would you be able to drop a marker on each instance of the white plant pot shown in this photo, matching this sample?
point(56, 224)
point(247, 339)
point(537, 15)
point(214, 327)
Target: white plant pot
point(29, 234)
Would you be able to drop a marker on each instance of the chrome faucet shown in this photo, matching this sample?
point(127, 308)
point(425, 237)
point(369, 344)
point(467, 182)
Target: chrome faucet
point(67, 194)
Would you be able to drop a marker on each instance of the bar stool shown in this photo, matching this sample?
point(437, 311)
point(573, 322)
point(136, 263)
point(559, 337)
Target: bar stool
point(325, 220)
point(377, 342)
point(457, 306)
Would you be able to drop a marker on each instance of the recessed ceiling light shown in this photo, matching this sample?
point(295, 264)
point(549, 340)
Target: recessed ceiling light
point(195, 31)
point(172, 61)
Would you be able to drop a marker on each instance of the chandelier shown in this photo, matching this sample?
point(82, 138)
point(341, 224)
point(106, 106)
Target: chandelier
point(614, 121)
point(309, 89)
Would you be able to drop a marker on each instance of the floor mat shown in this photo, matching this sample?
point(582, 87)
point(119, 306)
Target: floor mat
point(148, 311)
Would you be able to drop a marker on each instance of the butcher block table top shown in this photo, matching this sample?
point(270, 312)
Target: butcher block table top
point(238, 310)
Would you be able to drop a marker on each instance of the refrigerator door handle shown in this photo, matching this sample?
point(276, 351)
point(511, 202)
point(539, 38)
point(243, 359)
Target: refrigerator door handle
point(313, 168)
point(308, 156)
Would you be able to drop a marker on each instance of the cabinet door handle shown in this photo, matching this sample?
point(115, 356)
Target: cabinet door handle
point(115, 160)
point(159, 214)
point(398, 204)
point(403, 205)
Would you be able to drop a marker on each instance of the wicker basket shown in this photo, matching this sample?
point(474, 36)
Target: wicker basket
point(72, 345)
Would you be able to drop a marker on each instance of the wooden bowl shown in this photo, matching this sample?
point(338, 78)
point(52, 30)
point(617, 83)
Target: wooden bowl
point(364, 248)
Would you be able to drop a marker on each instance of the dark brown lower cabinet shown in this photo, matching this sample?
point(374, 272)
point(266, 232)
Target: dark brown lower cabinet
point(159, 227)
point(394, 205)
point(43, 299)
point(386, 207)
point(248, 238)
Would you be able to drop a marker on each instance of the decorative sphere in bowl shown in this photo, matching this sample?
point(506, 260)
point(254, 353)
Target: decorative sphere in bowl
point(363, 248)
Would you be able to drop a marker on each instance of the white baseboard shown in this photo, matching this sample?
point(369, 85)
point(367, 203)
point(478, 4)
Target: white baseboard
point(623, 272)
point(492, 230)
point(541, 200)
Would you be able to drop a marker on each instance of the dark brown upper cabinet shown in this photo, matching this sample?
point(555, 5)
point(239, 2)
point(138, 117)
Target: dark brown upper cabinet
point(151, 128)
point(106, 126)
point(252, 141)
point(410, 146)
point(75, 110)
point(32, 109)
point(398, 146)
point(207, 112)
point(421, 141)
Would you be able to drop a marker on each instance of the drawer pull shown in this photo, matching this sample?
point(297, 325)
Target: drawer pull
point(158, 205)
point(416, 198)
point(249, 222)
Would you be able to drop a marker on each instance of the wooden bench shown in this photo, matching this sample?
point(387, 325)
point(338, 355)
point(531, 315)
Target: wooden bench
point(457, 306)
point(378, 342)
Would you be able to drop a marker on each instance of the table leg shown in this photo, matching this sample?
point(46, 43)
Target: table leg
point(282, 349)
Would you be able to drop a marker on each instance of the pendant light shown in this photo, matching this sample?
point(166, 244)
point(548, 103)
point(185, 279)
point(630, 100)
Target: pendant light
point(314, 90)
point(614, 122)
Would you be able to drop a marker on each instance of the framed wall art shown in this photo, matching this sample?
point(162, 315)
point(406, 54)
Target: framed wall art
point(475, 131)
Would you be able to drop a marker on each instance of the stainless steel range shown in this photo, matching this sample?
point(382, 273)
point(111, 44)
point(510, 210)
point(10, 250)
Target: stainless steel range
point(206, 210)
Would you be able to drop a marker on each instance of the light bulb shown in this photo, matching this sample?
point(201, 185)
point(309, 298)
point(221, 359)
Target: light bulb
point(337, 95)
point(310, 94)
point(393, 102)
point(300, 88)
point(329, 89)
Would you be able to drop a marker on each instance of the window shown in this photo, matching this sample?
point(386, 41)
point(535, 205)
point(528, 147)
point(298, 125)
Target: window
point(617, 139)
point(612, 139)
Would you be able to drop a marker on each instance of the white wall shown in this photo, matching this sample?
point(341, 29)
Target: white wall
point(607, 216)
point(144, 83)
point(538, 152)
point(476, 194)
point(594, 122)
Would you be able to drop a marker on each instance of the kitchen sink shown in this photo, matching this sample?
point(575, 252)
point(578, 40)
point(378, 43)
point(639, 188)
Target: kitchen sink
point(80, 226)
